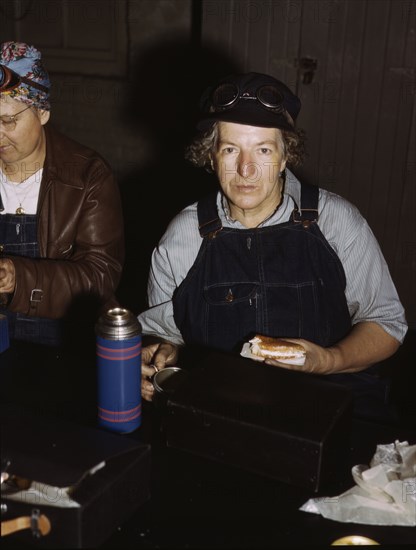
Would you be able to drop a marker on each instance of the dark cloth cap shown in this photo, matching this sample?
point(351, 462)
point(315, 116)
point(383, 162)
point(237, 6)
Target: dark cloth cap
point(250, 112)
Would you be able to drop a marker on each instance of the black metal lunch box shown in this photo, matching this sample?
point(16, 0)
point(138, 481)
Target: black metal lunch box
point(81, 482)
point(286, 425)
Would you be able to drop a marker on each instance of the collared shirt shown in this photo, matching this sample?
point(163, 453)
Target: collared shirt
point(370, 291)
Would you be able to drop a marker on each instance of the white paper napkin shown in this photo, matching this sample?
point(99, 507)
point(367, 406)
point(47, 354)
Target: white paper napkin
point(384, 494)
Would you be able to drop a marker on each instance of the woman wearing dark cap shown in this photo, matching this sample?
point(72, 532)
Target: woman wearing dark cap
point(61, 227)
point(267, 254)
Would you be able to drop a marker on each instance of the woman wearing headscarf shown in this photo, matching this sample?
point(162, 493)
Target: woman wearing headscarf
point(61, 227)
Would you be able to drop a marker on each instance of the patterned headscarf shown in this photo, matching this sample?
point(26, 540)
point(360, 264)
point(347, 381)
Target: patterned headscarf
point(26, 61)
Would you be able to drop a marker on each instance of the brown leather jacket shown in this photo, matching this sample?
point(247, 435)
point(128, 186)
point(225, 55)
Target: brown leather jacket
point(80, 233)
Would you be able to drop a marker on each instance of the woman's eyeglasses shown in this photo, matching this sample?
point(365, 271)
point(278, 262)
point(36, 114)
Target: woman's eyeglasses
point(228, 95)
point(8, 122)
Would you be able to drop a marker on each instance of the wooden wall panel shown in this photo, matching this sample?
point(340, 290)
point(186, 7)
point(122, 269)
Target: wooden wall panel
point(75, 37)
point(284, 32)
point(348, 96)
point(404, 238)
point(261, 36)
point(330, 81)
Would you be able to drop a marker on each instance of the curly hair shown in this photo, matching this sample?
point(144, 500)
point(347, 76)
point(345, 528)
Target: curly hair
point(200, 150)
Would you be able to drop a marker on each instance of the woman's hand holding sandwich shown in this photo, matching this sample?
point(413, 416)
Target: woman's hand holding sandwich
point(367, 343)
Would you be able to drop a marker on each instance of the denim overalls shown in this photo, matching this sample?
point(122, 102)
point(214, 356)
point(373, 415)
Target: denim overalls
point(283, 280)
point(18, 235)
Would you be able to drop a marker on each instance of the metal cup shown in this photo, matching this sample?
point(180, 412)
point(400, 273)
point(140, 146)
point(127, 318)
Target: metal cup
point(166, 382)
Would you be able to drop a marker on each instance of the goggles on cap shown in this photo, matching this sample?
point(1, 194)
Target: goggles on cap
point(9, 80)
point(228, 95)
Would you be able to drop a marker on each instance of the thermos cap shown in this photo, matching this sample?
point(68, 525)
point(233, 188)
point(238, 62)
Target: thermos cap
point(118, 324)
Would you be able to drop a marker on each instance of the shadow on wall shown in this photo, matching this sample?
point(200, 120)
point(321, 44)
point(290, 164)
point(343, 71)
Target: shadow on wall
point(161, 105)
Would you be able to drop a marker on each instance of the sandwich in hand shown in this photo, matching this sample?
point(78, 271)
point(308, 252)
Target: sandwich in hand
point(265, 347)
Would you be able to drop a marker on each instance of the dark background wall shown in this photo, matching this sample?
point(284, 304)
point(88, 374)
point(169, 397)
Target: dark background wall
point(127, 75)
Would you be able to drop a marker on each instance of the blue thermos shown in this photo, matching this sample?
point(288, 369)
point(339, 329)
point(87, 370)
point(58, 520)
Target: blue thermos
point(119, 346)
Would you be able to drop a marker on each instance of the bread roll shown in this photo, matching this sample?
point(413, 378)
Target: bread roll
point(265, 347)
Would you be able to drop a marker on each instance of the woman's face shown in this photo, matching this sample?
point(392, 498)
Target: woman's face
point(25, 142)
point(247, 161)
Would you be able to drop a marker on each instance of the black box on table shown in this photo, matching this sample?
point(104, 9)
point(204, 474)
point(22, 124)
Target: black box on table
point(286, 425)
point(108, 476)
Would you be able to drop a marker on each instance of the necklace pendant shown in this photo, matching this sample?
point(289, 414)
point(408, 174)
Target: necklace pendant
point(20, 211)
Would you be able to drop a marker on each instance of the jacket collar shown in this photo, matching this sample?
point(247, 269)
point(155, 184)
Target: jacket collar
point(58, 166)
